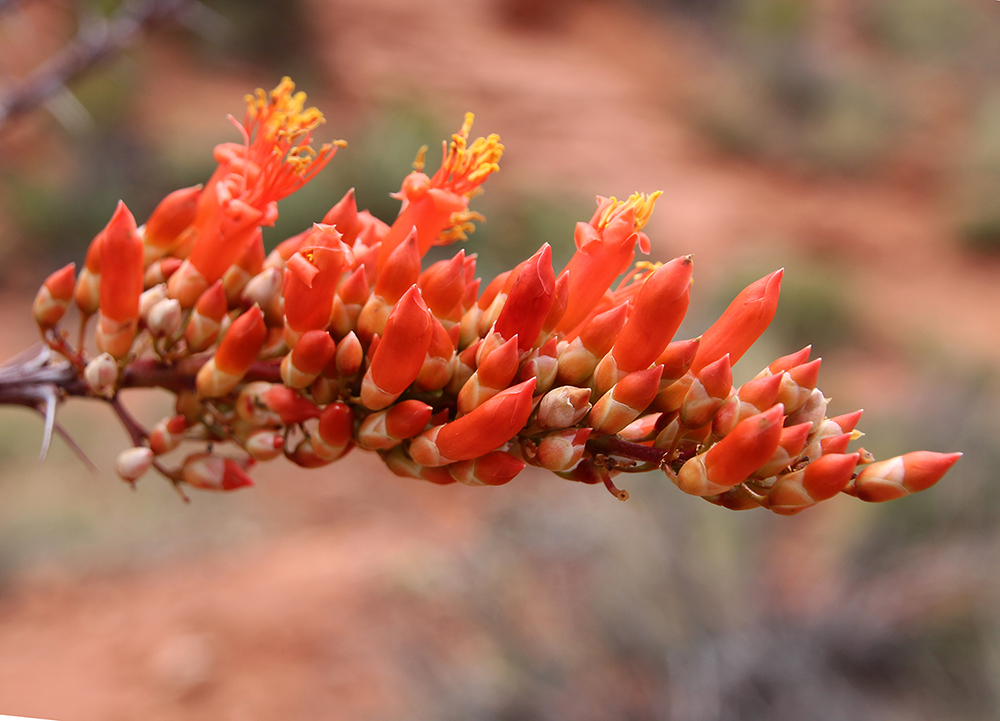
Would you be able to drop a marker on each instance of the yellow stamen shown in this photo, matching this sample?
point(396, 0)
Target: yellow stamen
point(465, 167)
point(640, 203)
point(418, 162)
point(461, 226)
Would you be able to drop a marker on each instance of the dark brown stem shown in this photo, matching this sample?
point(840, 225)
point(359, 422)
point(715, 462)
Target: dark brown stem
point(619, 447)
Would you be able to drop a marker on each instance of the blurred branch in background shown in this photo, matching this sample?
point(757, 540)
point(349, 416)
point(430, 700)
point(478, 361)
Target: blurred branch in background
point(95, 43)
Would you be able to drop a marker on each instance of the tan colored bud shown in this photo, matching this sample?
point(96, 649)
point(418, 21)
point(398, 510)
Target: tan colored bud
point(563, 407)
point(264, 289)
point(149, 298)
point(812, 411)
point(101, 375)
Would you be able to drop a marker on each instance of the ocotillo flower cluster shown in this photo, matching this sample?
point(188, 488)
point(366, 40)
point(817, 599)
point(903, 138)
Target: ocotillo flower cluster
point(340, 338)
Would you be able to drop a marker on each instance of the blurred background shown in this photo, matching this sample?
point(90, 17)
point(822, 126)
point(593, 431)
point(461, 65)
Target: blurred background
point(854, 142)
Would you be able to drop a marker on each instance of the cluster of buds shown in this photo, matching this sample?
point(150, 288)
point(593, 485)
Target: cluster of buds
point(340, 338)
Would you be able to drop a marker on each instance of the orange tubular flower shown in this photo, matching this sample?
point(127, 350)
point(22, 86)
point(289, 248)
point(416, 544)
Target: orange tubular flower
point(486, 428)
point(235, 355)
point(529, 300)
point(733, 459)
point(443, 285)
point(742, 323)
point(400, 354)
point(902, 475)
point(604, 250)
point(311, 280)
point(436, 206)
point(656, 315)
point(122, 278)
point(170, 218)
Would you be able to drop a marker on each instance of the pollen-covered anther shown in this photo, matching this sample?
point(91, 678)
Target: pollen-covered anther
point(54, 297)
point(625, 401)
point(308, 358)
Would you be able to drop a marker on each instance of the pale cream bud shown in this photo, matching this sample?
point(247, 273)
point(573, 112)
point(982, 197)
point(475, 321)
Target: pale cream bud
point(164, 318)
point(101, 375)
point(133, 463)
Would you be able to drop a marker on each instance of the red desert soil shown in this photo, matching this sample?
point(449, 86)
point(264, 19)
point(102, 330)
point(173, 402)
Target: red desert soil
point(322, 617)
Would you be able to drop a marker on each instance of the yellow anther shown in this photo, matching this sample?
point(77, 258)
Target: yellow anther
point(640, 203)
point(465, 167)
point(418, 162)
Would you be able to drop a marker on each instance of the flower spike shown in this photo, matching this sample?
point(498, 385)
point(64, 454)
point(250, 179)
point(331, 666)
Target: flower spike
point(340, 338)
